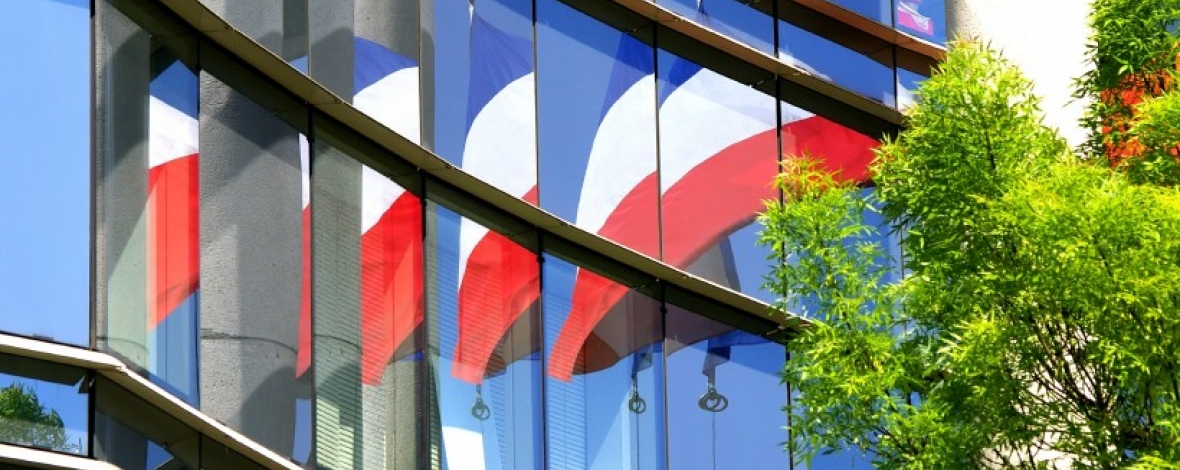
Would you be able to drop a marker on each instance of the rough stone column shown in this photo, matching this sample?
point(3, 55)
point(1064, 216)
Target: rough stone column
point(1046, 39)
point(251, 248)
point(251, 264)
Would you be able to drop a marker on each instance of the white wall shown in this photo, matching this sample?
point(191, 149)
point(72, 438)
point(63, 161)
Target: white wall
point(1045, 38)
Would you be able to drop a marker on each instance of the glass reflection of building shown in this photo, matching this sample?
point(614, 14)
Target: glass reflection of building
point(488, 234)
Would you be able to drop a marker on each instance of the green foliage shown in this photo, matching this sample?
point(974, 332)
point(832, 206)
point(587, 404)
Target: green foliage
point(25, 420)
point(1036, 325)
point(1134, 58)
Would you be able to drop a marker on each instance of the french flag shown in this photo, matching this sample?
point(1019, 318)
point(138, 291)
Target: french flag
point(716, 135)
point(172, 231)
point(498, 279)
point(391, 217)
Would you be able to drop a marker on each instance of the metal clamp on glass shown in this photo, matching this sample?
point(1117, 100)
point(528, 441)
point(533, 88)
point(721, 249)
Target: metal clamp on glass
point(480, 410)
point(712, 401)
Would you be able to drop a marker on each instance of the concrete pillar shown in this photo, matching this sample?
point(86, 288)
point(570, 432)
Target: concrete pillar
point(251, 248)
point(1046, 39)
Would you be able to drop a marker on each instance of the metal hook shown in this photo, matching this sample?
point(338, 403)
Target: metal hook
point(712, 401)
point(480, 410)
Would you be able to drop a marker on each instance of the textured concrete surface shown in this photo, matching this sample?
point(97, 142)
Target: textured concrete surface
point(251, 264)
point(393, 24)
point(261, 20)
point(331, 44)
point(1045, 38)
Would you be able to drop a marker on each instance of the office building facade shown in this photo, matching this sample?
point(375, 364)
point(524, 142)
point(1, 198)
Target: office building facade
point(488, 234)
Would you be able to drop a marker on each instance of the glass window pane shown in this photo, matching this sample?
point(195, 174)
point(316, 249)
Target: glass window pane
point(925, 19)
point(135, 435)
point(485, 97)
point(281, 26)
point(369, 371)
point(725, 396)
point(871, 77)
point(45, 190)
point(44, 405)
point(879, 10)
point(148, 235)
point(604, 389)
point(718, 158)
point(747, 21)
point(485, 346)
point(369, 54)
point(840, 149)
point(253, 220)
point(597, 127)
point(907, 84)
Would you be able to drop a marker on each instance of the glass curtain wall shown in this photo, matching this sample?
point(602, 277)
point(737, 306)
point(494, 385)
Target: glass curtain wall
point(596, 97)
point(604, 391)
point(483, 288)
point(713, 125)
point(45, 187)
point(441, 334)
point(368, 340)
point(201, 271)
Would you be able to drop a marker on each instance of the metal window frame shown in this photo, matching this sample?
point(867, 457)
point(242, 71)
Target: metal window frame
point(117, 372)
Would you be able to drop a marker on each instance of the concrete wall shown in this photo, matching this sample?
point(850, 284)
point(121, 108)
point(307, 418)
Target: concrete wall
point(1045, 38)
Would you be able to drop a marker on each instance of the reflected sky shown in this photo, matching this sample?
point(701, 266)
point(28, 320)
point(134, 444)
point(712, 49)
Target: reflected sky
point(45, 169)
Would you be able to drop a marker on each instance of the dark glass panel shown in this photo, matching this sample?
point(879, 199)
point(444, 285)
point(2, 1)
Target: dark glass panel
point(45, 187)
point(604, 394)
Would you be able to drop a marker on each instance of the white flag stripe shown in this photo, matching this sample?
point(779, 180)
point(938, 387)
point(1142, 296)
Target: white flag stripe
point(173, 133)
point(393, 101)
point(378, 194)
point(501, 150)
point(708, 113)
point(622, 155)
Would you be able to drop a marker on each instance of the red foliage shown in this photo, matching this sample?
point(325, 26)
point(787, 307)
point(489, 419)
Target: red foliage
point(1132, 90)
